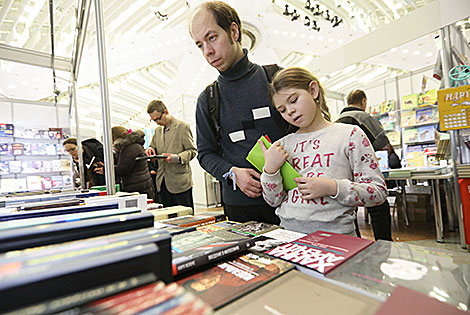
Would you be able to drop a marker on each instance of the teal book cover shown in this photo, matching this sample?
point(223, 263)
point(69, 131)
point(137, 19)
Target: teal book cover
point(256, 158)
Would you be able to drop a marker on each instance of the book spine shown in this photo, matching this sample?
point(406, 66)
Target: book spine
point(217, 253)
point(201, 222)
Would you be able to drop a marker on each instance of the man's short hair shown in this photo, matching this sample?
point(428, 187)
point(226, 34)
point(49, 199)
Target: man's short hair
point(70, 141)
point(355, 97)
point(224, 15)
point(156, 105)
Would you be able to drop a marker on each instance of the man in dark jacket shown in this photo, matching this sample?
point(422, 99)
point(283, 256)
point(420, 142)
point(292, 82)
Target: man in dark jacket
point(355, 114)
point(92, 158)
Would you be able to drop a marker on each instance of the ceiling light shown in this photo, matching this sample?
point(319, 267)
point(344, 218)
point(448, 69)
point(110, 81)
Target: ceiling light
point(370, 76)
point(24, 82)
point(429, 54)
point(405, 51)
point(416, 53)
point(340, 41)
point(293, 34)
point(285, 33)
point(343, 84)
point(323, 79)
point(394, 49)
point(276, 32)
point(302, 35)
point(320, 38)
point(311, 37)
point(331, 39)
point(349, 69)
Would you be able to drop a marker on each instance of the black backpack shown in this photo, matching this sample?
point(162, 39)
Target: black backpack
point(213, 100)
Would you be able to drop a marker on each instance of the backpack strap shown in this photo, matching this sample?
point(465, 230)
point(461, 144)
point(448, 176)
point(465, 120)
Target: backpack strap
point(270, 71)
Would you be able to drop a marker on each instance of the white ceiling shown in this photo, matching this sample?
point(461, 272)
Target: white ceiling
point(150, 59)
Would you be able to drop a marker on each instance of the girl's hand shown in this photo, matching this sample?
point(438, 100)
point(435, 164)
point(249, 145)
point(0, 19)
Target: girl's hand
point(274, 157)
point(315, 187)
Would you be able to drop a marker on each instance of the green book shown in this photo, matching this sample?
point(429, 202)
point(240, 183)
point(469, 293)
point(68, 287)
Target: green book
point(256, 158)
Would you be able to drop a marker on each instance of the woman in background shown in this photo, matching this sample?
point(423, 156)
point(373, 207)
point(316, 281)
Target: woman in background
point(135, 175)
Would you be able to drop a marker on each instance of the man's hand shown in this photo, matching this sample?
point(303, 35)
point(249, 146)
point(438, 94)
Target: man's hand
point(274, 157)
point(99, 169)
point(171, 158)
point(149, 151)
point(248, 181)
point(315, 187)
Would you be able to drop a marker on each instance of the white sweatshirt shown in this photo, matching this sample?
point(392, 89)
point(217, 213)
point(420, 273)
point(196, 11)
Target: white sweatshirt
point(340, 152)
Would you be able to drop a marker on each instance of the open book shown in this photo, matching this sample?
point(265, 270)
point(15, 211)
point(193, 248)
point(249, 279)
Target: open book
point(256, 158)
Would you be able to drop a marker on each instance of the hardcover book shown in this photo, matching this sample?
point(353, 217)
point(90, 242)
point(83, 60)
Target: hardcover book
point(6, 130)
point(424, 116)
point(50, 149)
point(46, 183)
point(253, 228)
point(296, 293)
point(4, 167)
point(411, 135)
point(27, 148)
point(5, 149)
point(34, 149)
point(20, 184)
point(427, 98)
point(382, 158)
point(387, 106)
point(34, 182)
point(57, 181)
point(196, 249)
point(55, 133)
point(426, 133)
point(17, 148)
point(256, 158)
point(67, 181)
point(408, 118)
point(171, 212)
point(409, 101)
point(232, 278)
point(320, 252)
point(7, 185)
point(42, 149)
point(15, 167)
point(440, 274)
point(214, 227)
point(196, 220)
point(394, 137)
point(408, 301)
point(387, 123)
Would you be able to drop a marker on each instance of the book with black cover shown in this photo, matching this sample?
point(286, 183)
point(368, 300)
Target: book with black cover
point(69, 231)
point(320, 252)
point(296, 293)
point(196, 249)
point(228, 280)
point(440, 274)
point(47, 281)
point(196, 220)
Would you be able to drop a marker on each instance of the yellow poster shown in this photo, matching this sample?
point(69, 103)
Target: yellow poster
point(454, 107)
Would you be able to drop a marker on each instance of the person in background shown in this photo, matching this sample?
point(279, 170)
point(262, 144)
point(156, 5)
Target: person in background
point(173, 139)
point(245, 113)
point(336, 162)
point(92, 158)
point(134, 175)
point(355, 114)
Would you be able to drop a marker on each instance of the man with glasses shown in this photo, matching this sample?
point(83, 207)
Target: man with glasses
point(173, 139)
point(92, 158)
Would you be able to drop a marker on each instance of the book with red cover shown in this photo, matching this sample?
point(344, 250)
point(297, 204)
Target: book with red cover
point(408, 301)
point(320, 251)
point(233, 278)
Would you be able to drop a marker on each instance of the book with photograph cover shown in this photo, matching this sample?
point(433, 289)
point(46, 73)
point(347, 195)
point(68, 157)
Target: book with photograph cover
point(426, 133)
point(424, 116)
point(4, 167)
point(67, 181)
point(17, 148)
point(409, 101)
point(380, 268)
point(55, 133)
point(394, 137)
point(411, 135)
point(427, 98)
point(5, 149)
point(387, 107)
point(6, 130)
point(320, 252)
point(65, 165)
point(57, 181)
point(214, 227)
point(233, 278)
point(195, 249)
point(387, 123)
point(408, 118)
point(253, 228)
point(297, 293)
point(382, 158)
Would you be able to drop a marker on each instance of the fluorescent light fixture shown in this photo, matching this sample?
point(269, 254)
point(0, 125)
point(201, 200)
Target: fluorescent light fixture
point(370, 76)
point(11, 86)
point(305, 60)
point(349, 69)
point(342, 84)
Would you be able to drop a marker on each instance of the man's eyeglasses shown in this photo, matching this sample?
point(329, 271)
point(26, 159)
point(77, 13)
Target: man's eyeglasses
point(157, 119)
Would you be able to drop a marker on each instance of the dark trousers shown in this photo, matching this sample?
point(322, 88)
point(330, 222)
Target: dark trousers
point(381, 221)
point(261, 213)
point(182, 199)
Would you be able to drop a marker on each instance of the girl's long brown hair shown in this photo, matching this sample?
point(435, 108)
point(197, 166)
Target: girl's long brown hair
point(299, 78)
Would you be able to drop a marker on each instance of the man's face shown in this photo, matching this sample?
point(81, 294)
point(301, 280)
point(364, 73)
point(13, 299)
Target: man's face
point(159, 118)
point(71, 149)
point(220, 50)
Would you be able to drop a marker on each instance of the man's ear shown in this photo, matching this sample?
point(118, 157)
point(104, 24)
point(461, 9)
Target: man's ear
point(234, 31)
point(314, 89)
point(364, 103)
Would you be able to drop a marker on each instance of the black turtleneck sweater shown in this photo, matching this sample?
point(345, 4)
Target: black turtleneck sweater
point(243, 87)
